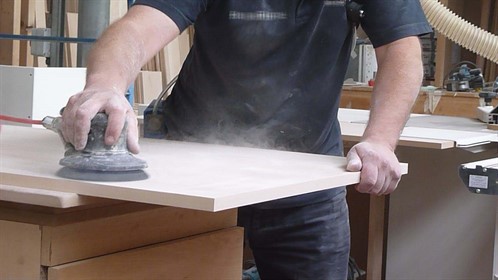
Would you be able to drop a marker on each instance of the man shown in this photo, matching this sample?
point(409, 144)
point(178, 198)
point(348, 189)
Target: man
point(268, 73)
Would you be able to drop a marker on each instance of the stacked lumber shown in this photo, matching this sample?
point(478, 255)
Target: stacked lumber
point(18, 17)
point(167, 62)
point(148, 85)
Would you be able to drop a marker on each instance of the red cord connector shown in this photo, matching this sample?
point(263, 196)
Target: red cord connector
point(19, 120)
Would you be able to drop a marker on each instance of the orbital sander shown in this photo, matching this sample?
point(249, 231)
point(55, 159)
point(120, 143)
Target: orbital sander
point(98, 161)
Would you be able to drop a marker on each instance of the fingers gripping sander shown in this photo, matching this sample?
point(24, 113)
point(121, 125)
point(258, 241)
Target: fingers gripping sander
point(97, 156)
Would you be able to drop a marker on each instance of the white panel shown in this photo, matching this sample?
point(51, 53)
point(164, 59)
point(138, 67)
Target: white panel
point(34, 93)
point(44, 197)
point(461, 138)
point(369, 63)
point(53, 87)
point(16, 87)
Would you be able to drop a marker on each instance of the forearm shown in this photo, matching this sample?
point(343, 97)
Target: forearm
point(114, 60)
point(397, 85)
point(113, 64)
point(125, 46)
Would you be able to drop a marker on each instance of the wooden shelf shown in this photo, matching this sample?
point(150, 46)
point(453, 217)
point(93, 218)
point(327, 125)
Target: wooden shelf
point(460, 104)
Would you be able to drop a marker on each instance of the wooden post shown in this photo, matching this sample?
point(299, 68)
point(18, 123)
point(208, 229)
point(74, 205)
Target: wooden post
point(40, 22)
point(376, 227)
point(10, 23)
point(71, 49)
point(117, 9)
point(485, 11)
point(493, 67)
point(27, 22)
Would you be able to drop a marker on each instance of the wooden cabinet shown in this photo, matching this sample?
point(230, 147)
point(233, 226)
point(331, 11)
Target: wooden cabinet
point(118, 240)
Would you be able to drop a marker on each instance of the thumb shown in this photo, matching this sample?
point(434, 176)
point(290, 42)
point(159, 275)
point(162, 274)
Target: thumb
point(353, 161)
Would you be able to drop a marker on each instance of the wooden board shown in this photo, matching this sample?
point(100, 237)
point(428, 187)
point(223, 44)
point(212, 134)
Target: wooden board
point(148, 86)
point(46, 198)
point(27, 22)
point(493, 126)
point(40, 22)
point(354, 131)
point(423, 131)
point(180, 174)
point(71, 49)
point(489, 163)
point(461, 138)
point(117, 9)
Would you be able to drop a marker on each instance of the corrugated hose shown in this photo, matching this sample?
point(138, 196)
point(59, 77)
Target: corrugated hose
point(461, 31)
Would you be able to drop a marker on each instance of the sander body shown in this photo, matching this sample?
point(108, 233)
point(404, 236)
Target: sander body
point(97, 156)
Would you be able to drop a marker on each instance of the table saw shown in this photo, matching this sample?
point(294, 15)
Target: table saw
point(481, 177)
point(431, 215)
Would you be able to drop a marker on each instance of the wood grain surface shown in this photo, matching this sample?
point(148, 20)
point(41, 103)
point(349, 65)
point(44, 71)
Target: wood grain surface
point(181, 174)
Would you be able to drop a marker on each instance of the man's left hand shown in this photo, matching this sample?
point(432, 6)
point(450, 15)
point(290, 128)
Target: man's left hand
point(379, 166)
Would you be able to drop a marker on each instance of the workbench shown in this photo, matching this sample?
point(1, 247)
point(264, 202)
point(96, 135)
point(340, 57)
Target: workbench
point(59, 235)
point(179, 222)
point(111, 228)
point(431, 227)
point(481, 178)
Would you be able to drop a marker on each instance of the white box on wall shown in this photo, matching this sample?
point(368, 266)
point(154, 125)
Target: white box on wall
point(363, 64)
point(40, 48)
point(36, 92)
point(368, 63)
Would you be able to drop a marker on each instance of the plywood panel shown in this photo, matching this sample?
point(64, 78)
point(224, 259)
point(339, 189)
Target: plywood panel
point(216, 255)
point(354, 131)
point(171, 60)
point(181, 174)
point(45, 198)
point(424, 131)
point(461, 138)
point(148, 87)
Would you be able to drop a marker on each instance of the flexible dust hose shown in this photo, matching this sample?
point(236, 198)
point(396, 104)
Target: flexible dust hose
point(461, 31)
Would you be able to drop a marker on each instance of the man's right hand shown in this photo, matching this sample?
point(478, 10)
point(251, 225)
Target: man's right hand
point(112, 64)
point(83, 106)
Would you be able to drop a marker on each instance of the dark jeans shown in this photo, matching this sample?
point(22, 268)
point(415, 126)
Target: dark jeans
point(306, 242)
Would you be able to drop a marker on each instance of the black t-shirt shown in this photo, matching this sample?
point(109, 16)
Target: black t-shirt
point(268, 73)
